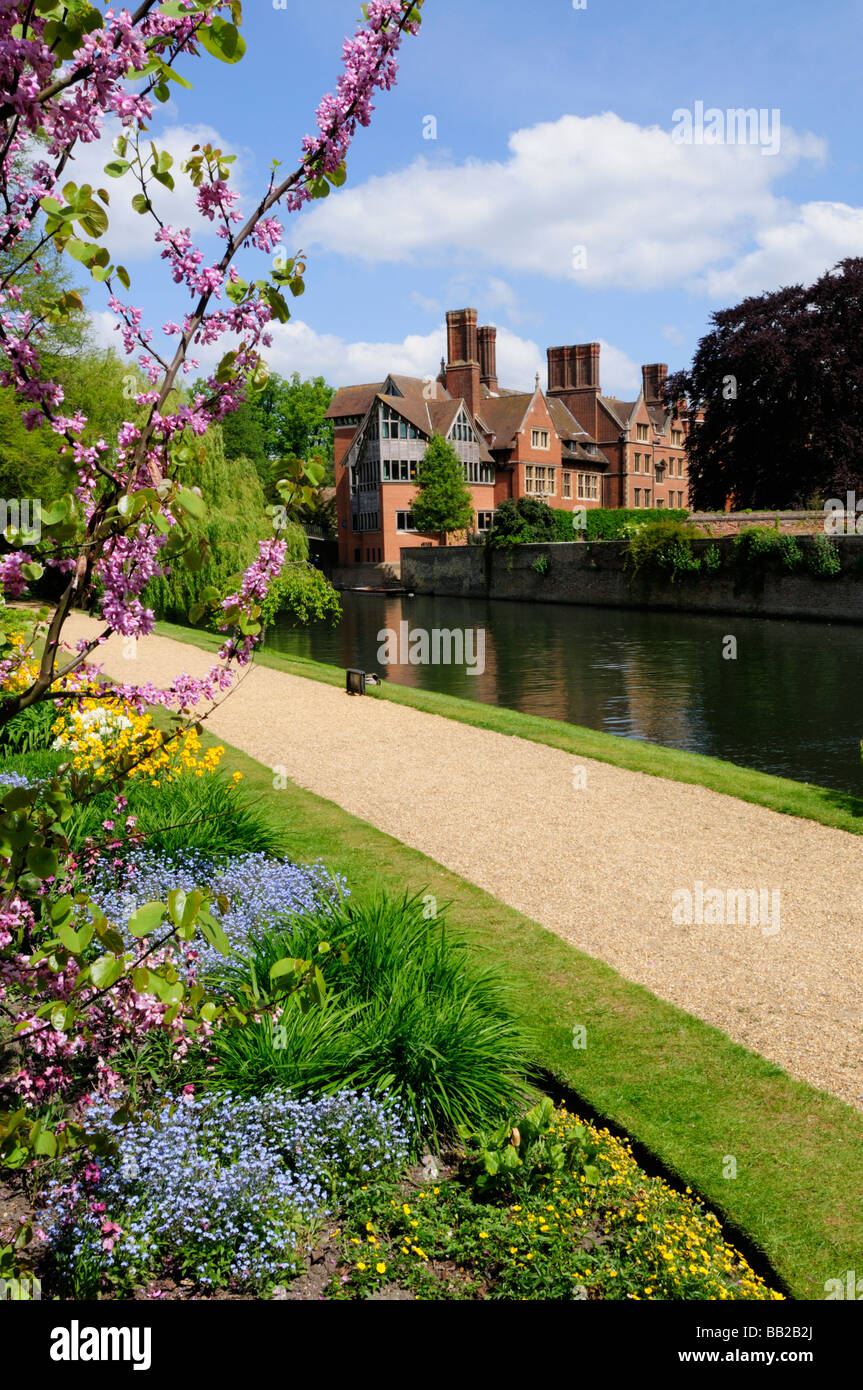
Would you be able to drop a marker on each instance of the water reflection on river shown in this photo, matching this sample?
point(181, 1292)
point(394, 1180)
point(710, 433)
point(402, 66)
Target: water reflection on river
point(790, 703)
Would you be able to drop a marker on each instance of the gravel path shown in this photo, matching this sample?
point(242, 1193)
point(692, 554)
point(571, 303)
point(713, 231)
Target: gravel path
point(597, 864)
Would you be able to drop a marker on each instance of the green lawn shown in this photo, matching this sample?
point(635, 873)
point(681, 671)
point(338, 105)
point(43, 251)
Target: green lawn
point(835, 808)
point(678, 1087)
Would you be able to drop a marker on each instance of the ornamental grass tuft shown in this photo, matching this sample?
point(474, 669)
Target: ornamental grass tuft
point(407, 1013)
point(209, 815)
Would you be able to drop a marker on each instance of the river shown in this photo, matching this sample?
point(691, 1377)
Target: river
point(789, 704)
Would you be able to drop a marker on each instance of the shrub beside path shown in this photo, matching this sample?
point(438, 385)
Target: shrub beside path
point(596, 865)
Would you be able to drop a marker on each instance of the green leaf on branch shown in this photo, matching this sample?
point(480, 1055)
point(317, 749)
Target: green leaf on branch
point(147, 918)
point(191, 908)
point(76, 941)
point(285, 967)
point(43, 862)
point(224, 371)
point(278, 304)
point(176, 904)
point(214, 932)
point(81, 251)
point(191, 503)
point(61, 911)
point(61, 1017)
point(223, 40)
point(106, 971)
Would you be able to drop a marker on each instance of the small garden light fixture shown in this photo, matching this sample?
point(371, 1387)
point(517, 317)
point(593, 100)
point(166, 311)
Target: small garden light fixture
point(357, 681)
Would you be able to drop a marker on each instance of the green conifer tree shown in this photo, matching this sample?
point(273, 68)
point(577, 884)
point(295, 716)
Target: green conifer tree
point(443, 504)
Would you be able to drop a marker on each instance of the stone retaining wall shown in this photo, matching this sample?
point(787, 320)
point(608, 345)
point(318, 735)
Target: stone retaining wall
point(730, 523)
point(592, 573)
point(367, 576)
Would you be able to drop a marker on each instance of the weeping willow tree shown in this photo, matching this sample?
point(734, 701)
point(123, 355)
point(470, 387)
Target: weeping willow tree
point(236, 521)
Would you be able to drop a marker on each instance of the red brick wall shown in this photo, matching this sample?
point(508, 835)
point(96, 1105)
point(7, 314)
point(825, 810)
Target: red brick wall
point(539, 418)
point(654, 453)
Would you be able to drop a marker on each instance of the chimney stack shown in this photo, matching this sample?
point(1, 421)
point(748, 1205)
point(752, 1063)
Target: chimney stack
point(488, 358)
point(574, 368)
point(462, 368)
point(573, 376)
point(654, 377)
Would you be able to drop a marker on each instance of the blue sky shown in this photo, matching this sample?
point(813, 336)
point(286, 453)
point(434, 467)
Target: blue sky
point(554, 197)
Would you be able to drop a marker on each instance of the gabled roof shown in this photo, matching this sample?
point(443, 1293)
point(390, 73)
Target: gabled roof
point(442, 415)
point(501, 391)
point(621, 411)
point(660, 417)
point(504, 416)
point(416, 411)
point(416, 387)
point(353, 400)
point(564, 421)
point(433, 417)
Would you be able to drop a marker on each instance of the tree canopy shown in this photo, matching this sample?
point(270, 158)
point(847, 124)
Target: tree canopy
point(286, 419)
point(780, 383)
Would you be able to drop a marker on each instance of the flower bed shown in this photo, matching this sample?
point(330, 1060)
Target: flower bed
point(610, 1234)
point(308, 1107)
point(216, 1189)
point(248, 892)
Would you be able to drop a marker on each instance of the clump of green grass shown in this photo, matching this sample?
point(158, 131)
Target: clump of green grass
point(30, 730)
point(209, 814)
point(406, 1013)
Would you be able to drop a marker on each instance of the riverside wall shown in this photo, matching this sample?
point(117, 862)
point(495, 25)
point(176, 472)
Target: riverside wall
point(592, 573)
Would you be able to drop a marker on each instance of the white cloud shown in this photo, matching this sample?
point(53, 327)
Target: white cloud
point(650, 212)
point(130, 235)
point(299, 348)
point(795, 251)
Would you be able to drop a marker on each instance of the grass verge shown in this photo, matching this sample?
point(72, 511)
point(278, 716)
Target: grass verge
point(838, 809)
point(684, 1092)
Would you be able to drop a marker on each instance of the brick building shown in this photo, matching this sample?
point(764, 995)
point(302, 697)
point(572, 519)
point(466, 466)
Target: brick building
point(571, 446)
point(643, 445)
